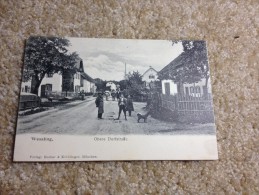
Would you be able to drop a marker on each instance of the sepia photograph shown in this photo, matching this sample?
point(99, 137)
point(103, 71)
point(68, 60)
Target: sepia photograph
point(111, 90)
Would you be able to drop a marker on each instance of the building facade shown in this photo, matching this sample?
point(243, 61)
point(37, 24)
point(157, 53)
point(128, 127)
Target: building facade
point(150, 76)
point(175, 68)
point(197, 89)
point(87, 84)
point(66, 82)
point(112, 85)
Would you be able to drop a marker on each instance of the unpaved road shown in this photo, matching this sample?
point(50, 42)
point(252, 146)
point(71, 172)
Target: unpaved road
point(82, 119)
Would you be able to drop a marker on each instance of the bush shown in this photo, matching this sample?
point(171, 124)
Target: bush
point(165, 115)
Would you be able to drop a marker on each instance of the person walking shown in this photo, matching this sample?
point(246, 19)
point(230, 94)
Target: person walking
point(122, 106)
point(129, 106)
point(100, 105)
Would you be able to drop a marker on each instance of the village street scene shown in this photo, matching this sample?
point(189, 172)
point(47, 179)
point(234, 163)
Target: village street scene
point(104, 86)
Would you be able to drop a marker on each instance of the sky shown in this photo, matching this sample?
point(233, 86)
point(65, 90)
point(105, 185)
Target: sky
point(106, 58)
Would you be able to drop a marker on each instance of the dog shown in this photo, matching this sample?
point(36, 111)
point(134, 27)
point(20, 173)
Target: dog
point(143, 116)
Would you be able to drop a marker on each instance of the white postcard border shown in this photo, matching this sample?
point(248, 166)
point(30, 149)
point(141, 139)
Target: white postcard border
point(42, 147)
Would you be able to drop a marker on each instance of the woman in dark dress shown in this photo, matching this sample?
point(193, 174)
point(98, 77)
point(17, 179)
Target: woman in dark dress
point(129, 106)
point(99, 104)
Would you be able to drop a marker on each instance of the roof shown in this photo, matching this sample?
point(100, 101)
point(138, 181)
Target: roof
point(173, 65)
point(150, 68)
point(87, 77)
point(80, 65)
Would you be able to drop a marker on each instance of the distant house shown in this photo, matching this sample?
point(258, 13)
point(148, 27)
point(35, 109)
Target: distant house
point(87, 83)
point(169, 87)
point(149, 76)
point(112, 85)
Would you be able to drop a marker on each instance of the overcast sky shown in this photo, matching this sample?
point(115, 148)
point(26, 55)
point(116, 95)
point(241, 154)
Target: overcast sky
point(106, 58)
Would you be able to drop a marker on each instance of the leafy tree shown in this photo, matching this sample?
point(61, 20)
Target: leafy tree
point(135, 83)
point(100, 84)
point(123, 84)
point(135, 77)
point(67, 85)
point(194, 63)
point(190, 66)
point(47, 55)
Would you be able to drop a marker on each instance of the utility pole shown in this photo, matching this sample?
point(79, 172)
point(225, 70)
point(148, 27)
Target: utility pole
point(125, 75)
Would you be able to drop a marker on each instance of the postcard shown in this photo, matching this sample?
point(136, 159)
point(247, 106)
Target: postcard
point(89, 99)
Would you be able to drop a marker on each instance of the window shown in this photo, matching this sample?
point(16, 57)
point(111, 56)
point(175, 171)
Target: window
point(26, 89)
point(151, 76)
point(77, 76)
point(77, 88)
point(205, 90)
point(197, 89)
point(191, 89)
point(48, 87)
point(49, 75)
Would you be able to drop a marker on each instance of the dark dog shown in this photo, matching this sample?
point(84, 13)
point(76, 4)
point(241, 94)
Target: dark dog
point(143, 116)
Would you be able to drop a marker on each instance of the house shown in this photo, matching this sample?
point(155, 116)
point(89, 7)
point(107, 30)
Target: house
point(87, 84)
point(63, 83)
point(51, 82)
point(26, 87)
point(112, 85)
point(194, 89)
point(149, 76)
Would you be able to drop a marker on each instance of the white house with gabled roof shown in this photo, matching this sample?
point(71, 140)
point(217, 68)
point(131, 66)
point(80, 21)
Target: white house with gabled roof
point(54, 82)
point(149, 76)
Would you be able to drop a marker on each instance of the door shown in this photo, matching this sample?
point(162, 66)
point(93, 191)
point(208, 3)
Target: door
point(48, 90)
point(42, 91)
point(167, 88)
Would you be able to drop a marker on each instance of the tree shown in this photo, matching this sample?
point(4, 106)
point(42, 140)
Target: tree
point(135, 77)
point(67, 85)
point(190, 66)
point(194, 62)
point(135, 83)
point(123, 84)
point(100, 84)
point(47, 55)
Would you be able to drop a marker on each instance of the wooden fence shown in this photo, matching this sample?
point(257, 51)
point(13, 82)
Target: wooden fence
point(28, 101)
point(188, 108)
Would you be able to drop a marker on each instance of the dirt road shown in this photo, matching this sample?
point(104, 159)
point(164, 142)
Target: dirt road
point(82, 119)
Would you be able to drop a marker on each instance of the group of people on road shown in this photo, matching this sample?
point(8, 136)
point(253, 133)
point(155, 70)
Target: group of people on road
point(124, 104)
